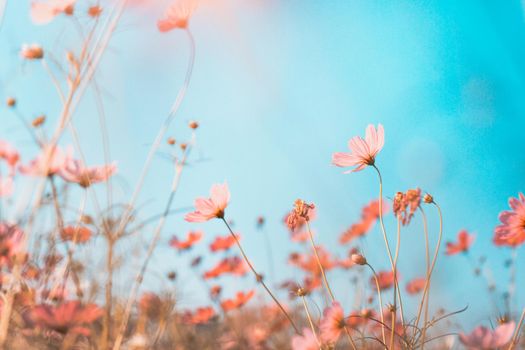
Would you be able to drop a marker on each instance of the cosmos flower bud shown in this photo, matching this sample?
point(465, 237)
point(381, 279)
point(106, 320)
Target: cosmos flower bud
point(32, 52)
point(11, 102)
point(193, 125)
point(94, 11)
point(171, 141)
point(38, 121)
point(358, 259)
point(428, 199)
point(183, 146)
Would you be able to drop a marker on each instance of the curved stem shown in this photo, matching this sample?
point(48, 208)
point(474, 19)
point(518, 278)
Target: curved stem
point(380, 302)
point(325, 280)
point(427, 285)
point(397, 290)
point(259, 277)
point(310, 320)
point(427, 259)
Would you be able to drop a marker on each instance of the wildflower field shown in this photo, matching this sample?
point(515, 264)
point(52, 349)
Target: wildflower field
point(262, 174)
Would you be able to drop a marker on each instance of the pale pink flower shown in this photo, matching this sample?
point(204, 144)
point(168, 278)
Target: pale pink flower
point(45, 12)
point(210, 208)
point(49, 162)
point(307, 341)
point(6, 186)
point(69, 316)
point(9, 153)
point(75, 171)
point(363, 151)
point(332, 323)
point(177, 15)
point(511, 232)
point(482, 338)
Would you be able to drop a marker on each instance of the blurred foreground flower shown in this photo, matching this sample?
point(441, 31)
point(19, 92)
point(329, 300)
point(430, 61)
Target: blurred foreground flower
point(177, 15)
point(463, 244)
point(511, 232)
point(483, 338)
point(43, 12)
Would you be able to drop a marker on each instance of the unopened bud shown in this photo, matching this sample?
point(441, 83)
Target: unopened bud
point(193, 124)
point(358, 259)
point(38, 121)
point(428, 199)
point(171, 141)
point(11, 102)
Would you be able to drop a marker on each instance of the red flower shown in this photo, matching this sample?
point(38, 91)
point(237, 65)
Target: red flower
point(385, 279)
point(199, 316)
point(462, 245)
point(70, 316)
point(233, 265)
point(177, 15)
point(191, 238)
point(416, 285)
point(77, 234)
point(240, 300)
point(223, 243)
point(369, 216)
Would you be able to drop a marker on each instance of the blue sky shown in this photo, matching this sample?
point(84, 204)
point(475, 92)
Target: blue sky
point(279, 86)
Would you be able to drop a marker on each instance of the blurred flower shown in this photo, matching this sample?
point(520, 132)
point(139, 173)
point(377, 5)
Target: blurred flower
point(385, 279)
point(10, 242)
point(307, 341)
point(49, 162)
point(32, 52)
point(191, 238)
point(332, 323)
point(210, 208)
point(416, 285)
point(511, 232)
point(6, 186)
point(463, 244)
point(234, 265)
point(215, 291)
point(9, 154)
point(223, 243)
point(69, 316)
point(77, 234)
point(74, 171)
point(482, 338)
point(363, 151)
point(177, 15)
point(45, 12)
point(369, 216)
point(240, 300)
point(299, 215)
point(199, 316)
point(94, 11)
point(150, 305)
point(406, 204)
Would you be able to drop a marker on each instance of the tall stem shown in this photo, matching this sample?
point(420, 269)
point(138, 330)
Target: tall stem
point(434, 259)
point(424, 301)
point(380, 302)
point(517, 332)
point(310, 320)
point(259, 277)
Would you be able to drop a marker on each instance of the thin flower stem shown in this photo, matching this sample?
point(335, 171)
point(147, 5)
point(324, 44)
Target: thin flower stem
point(383, 230)
point(397, 290)
point(259, 277)
point(434, 259)
point(380, 302)
point(325, 280)
point(303, 299)
point(153, 244)
point(427, 259)
point(517, 332)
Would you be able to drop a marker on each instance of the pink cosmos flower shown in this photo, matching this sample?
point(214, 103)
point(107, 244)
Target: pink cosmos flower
point(463, 244)
point(9, 154)
point(306, 341)
point(363, 151)
point(44, 12)
point(74, 171)
point(49, 162)
point(511, 232)
point(483, 338)
point(332, 323)
point(69, 316)
point(177, 15)
point(10, 242)
point(6, 186)
point(385, 279)
point(416, 285)
point(210, 208)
